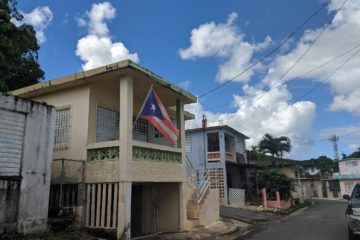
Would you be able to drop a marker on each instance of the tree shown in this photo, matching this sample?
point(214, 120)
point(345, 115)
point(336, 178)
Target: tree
point(19, 65)
point(275, 146)
point(272, 179)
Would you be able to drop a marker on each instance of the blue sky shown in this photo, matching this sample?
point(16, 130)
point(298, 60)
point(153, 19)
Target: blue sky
point(201, 44)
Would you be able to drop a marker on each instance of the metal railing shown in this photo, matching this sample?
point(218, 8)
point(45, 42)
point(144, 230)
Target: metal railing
point(201, 179)
point(203, 187)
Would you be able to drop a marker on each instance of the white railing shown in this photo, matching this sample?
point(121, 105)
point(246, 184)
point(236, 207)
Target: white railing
point(200, 179)
point(203, 186)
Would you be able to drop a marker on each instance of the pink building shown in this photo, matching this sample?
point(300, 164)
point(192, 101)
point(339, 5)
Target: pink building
point(349, 174)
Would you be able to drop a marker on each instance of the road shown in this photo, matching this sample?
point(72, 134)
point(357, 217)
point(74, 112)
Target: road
point(323, 221)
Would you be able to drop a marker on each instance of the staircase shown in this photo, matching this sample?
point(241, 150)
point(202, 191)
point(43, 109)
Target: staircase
point(201, 184)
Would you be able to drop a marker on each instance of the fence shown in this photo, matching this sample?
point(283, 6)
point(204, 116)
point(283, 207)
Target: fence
point(101, 205)
point(237, 197)
point(67, 185)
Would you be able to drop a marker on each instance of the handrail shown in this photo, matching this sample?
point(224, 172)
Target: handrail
point(200, 179)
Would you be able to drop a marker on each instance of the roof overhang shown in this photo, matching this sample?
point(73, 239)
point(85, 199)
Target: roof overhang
point(125, 67)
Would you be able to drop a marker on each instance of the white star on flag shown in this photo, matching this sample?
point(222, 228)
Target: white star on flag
point(153, 108)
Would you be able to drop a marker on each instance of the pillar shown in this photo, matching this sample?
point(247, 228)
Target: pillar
point(125, 158)
point(263, 192)
point(180, 124)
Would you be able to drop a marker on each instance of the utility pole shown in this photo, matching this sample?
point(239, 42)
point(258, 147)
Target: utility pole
point(334, 139)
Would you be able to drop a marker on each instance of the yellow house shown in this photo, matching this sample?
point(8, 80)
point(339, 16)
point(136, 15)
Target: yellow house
point(124, 179)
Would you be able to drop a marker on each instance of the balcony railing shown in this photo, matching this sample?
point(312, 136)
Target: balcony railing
point(103, 151)
point(213, 156)
point(155, 153)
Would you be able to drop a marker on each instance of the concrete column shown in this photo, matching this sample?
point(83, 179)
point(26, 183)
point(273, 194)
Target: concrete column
point(263, 191)
point(180, 122)
point(278, 204)
point(125, 158)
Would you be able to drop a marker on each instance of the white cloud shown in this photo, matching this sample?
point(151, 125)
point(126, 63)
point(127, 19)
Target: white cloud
point(39, 18)
point(271, 114)
point(185, 84)
point(342, 34)
point(97, 48)
point(96, 51)
point(224, 40)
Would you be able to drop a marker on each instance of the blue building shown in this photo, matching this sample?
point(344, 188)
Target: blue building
point(219, 151)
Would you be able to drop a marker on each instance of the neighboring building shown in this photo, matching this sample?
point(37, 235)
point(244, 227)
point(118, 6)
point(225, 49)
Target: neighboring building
point(312, 171)
point(317, 187)
point(134, 182)
point(349, 174)
point(26, 142)
point(220, 151)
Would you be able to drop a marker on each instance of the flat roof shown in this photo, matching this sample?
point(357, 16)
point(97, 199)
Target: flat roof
point(82, 77)
point(349, 159)
point(218, 127)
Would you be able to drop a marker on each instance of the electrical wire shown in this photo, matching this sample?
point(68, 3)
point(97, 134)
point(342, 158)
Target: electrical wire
point(259, 60)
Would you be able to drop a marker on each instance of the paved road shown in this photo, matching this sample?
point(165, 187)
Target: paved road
point(323, 221)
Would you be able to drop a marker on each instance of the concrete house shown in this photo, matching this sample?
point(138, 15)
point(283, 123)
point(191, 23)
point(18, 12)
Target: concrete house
point(219, 152)
point(123, 179)
point(349, 174)
point(26, 133)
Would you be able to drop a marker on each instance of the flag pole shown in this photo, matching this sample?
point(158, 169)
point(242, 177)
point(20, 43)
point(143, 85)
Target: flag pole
point(143, 105)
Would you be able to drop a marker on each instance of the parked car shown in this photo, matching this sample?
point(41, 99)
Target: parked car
point(353, 212)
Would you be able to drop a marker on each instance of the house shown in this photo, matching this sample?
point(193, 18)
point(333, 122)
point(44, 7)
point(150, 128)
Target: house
point(349, 174)
point(26, 142)
point(220, 152)
point(122, 177)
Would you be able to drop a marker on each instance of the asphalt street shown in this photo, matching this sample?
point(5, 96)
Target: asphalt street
point(323, 221)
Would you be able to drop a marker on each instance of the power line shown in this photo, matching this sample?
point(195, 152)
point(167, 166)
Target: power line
point(254, 100)
point(259, 60)
point(331, 74)
point(303, 74)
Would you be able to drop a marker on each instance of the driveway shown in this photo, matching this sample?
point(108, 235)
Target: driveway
point(323, 221)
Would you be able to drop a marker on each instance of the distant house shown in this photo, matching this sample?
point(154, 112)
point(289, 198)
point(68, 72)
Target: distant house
point(219, 151)
point(349, 174)
point(312, 171)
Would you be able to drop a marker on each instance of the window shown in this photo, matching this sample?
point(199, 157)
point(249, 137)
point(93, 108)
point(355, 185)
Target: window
point(348, 187)
point(141, 129)
point(213, 142)
point(62, 128)
point(107, 124)
point(229, 143)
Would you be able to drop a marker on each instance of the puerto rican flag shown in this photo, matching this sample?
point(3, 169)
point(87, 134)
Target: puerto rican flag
point(154, 111)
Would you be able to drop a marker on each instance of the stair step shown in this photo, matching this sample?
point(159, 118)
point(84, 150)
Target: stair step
point(192, 214)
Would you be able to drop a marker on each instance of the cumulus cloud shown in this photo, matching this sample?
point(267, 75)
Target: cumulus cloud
point(97, 48)
point(271, 114)
point(225, 41)
point(342, 34)
point(39, 18)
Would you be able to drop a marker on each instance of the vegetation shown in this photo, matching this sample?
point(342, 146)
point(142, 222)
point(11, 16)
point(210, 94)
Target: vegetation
point(274, 180)
point(19, 65)
point(276, 146)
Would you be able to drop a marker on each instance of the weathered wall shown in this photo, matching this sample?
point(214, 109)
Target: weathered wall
point(37, 154)
point(210, 211)
point(349, 167)
point(144, 171)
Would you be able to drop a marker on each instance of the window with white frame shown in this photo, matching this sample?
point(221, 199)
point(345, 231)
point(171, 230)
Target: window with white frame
point(62, 128)
point(107, 124)
point(349, 187)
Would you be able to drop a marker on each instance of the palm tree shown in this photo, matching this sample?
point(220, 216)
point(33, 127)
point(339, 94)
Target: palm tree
point(269, 144)
point(276, 146)
point(284, 145)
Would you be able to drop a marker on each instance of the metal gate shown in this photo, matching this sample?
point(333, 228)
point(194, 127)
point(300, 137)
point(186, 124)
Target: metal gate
point(12, 125)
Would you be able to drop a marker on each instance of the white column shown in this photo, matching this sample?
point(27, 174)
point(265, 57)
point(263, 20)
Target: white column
point(125, 158)
point(180, 122)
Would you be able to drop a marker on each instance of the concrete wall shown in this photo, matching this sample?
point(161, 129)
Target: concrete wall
point(209, 212)
point(349, 167)
point(35, 164)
